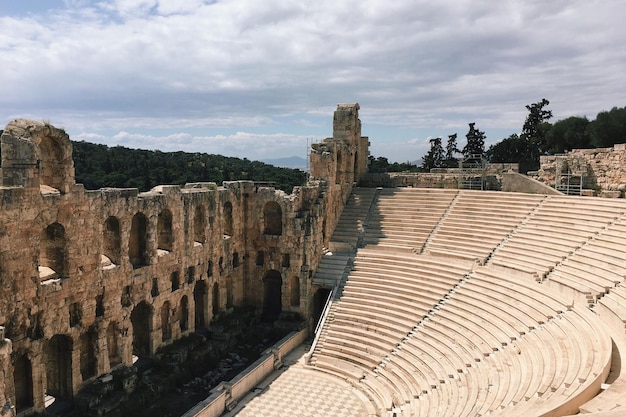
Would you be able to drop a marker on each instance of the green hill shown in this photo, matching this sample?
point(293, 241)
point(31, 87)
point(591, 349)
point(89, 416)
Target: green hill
point(99, 166)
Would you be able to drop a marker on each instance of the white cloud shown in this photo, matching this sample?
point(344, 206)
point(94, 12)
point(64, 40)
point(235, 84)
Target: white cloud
point(245, 64)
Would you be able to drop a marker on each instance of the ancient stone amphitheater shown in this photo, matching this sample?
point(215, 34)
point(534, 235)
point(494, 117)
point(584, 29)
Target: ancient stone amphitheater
point(440, 302)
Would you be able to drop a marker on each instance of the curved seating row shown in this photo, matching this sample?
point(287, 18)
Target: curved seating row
point(441, 336)
point(404, 218)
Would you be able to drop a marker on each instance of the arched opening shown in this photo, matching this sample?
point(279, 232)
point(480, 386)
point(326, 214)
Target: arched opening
point(183, 320)
point(338, 178)
point(295, 291)
point(200, 302)
point(23, 382)
point(141, 319)
point(199, 225)
point(272, 295)
point(166, 330)
point(53, 155)
point(53, 256)
point(319, 301)
point(355, 168)
point(215, 300)
point(165, 236)
point(113, 347)
point(228, 218)
point(175, 280)
point(88, 354)
point(272, 219)
point(58, 362)
point(137, 242)
point(112, 243)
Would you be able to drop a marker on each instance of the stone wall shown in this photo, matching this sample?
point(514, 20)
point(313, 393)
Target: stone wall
point(604, 168)
point(92, 278)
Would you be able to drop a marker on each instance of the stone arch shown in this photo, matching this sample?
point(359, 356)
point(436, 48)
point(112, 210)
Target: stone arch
point(36, 154)
point(53, 252)
point(113, 347)
point(165, 234)
point(272, 218)
point(23, 383)
point(228, 218)
point(141, 319)
point(294, 289)
point(54, 154)
point(166, 329)
point(272, 295)
point(200, 301)
point(175, 280)
point(58, 363)
point(215, 299)
point(112, 242)
point(183, 320)
point(199, 224)
point(88, 359)
point(138, 241)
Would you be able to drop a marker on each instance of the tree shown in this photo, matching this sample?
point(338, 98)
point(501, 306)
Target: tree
point(536, 125)
point(475, 142)
point(435, 156)
point(451, 150)
point(514, 149)
point(609, 128)
point(568, 134)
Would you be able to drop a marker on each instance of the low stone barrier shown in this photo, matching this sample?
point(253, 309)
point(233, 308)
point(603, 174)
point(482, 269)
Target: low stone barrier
point(226, 394)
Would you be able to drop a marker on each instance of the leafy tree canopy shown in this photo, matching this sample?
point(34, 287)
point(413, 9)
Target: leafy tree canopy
point(609, 128)
point(435, 156)
point(100, 166)
point(475, 142)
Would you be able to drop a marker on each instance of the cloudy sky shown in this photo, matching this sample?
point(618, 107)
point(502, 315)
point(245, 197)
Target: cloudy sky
point(256, 79)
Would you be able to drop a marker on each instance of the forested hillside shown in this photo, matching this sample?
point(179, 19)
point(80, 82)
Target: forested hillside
point(100, 166)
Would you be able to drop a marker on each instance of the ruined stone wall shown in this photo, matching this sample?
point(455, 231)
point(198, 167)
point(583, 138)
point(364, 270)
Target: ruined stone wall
point(604, 168)
point(91, 278)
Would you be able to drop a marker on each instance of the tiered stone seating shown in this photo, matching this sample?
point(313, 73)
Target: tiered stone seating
point(478, 221)
point(554, 231)
point(352, 220)
point(403, 218)
point(596, 267)
point(440, 335)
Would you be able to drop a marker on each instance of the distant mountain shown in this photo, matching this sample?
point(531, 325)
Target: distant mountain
point(294, 162)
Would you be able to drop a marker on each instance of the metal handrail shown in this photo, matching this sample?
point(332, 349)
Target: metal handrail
point(321, 321)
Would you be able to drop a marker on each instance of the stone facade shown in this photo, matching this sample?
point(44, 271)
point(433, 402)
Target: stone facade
point(91, 278)
point(604, 169)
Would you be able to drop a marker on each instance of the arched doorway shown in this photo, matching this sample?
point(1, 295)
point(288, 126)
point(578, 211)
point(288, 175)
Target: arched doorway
point(141, 318)
point(113, 345)
point(199, 224)
point(200, 302)
point(112, 240)
point(319, 301)
point(184, 314)
point(58, 361)
point(88, 363)
point(53, 251)
point(165, 235)
point(272, 219)
point(137, 241)
point(215, 301)
point(228, 218)
point(272, 295)
point(23, 381)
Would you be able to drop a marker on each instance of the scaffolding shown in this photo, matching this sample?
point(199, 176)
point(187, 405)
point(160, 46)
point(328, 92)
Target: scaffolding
point(571, 175)
point(472, 172)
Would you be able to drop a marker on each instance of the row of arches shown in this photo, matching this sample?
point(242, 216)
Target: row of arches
point(53, 262)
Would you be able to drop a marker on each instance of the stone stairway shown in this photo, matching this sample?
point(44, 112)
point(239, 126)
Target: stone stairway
point(331, 270)
point(353, 221)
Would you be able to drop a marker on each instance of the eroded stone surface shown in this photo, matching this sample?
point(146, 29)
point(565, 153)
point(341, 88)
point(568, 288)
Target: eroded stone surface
point(91, 278)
